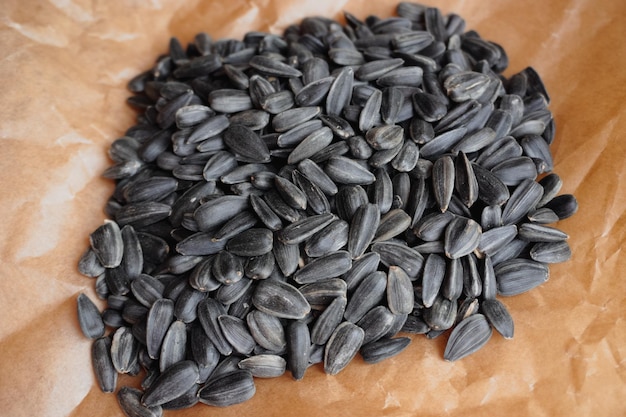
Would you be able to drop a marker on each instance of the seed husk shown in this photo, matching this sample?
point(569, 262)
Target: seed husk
point(327, 266)
point(130, 402)
point(264, 366)
point(468, 336)
point(516, 276)
point(342, 346)
point(551, 252)
point(382, 349)
point(89, 317)
point(363, 229)
point(499, 317)
point(368, 294)
point(106, 242)
point(281, 300)
point(298, 347)
point(462, 236)
point(106, 374)
point(228, 389)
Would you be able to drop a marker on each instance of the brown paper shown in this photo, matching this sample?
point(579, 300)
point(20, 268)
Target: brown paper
point(63, 70)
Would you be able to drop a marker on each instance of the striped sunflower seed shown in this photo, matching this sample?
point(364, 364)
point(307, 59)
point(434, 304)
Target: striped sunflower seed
point(551, 252)
point(264, 366)
point(106, 374)
point(328, 321)
point(468, 336)
point(130, 402)
point(107, 244)
point(342, 346)
point(516, 276)
point(281, 300)
point(327, 266)
point(382, 349)
point(89, 317)
point(298, 347)
point(232, 388)
point(499, 317)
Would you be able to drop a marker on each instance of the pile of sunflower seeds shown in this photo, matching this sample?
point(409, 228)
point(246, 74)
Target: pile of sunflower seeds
point(291, 200)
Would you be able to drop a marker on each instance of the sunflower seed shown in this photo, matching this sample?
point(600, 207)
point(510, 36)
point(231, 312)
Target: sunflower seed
point(533, 232)
point(392, 224)
point(124, 349)
point(342, 346)
point(328, 320)
point(363, 229)
point(516, 276)
point(106, 374)
point(327, 266)
point(289, 119)
point(301, 230)
point(491, 190)
point(260, 267)
point(316, 200)
point(382, 349)
point(393, 253)
point(160, 315)
point(264, 366)
point(551, 252)
point(441, 315)
point(330, 239)
point(89, 265)
point(499, 317)
point(107, 244)
point(246, 144)
point(322, 292)
point(229, 101)
point(130, 402)
point(407, 158)
point(231, 388)
point(266, 330)
point(515, 170)
point(236, 332)
point(442, 142)
point(220, 164)
point(269, 66)
point(310, 145)
point(89, 317)
point(564, 206)
point(523, 199)
point(495, 238)
point(218, 210)
point(208, 312)
point(467, 337)
point(340, 92)
point(466, 85)
point(461, 237)
point(174, 345)
point(543, 215)
point(281, 300)
point(381, 191)
point(185, 307)
point(298, 346)
point(227, 268)
point(367, 295)
point(376, 323)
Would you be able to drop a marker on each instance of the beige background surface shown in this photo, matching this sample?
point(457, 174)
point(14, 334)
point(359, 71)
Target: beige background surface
point(64, 65)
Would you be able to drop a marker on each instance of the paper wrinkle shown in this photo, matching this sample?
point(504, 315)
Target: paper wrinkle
point(41, 35)
point(63, 75)
point(70, 180)
point(73, 11)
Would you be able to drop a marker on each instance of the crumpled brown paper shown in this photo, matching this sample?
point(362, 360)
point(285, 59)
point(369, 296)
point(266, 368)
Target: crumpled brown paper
point(63, 70)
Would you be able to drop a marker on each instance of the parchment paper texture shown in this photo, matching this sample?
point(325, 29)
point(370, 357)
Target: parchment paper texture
point(64, 65)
